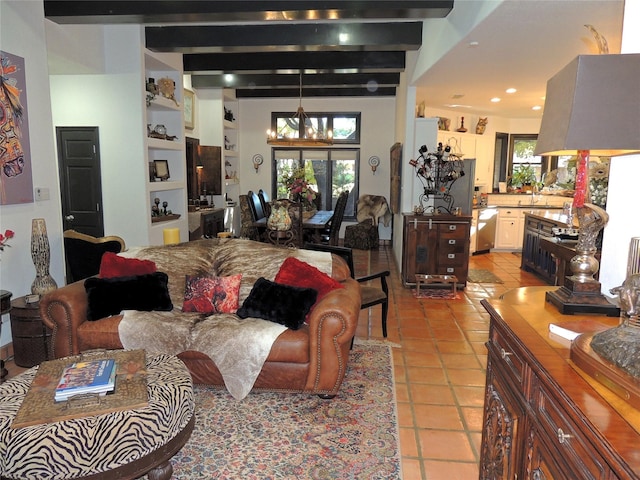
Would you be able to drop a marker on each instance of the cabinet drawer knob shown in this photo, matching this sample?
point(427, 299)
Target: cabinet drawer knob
point(450, 270)
point(452, 242)
point(451, 255)
point(452, 227)
point(563, 437)
point(504, 354)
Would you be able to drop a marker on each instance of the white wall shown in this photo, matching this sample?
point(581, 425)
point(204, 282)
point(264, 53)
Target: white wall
point(377, 137)
point(22, 33)
point(624, 196)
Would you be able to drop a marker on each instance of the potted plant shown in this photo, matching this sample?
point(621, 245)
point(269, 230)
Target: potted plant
point(523, 177)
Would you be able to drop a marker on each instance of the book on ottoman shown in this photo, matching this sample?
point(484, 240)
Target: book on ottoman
point(79, 378)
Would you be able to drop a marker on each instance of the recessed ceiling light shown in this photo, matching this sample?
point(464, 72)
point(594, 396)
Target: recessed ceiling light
point(495, 99)
point(536, 107)
point(456, 96)
point(511, 90)
point(474, 43)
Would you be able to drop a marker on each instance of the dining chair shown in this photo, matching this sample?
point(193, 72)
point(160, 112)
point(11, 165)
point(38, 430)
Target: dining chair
point(372, 294)
point(264, 201)
point(256, 206)
point(83, 253)
point(332, 234)
point(247, 230)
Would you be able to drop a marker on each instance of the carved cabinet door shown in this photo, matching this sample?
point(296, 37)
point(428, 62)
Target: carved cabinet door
point(502, 442)
point(540, 462)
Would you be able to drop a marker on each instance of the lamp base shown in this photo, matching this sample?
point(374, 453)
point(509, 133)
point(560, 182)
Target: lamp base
point(614, 378)
point(576, 297)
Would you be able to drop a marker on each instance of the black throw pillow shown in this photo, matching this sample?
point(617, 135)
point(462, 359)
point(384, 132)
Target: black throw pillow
point(278, 303)
point(109, 296)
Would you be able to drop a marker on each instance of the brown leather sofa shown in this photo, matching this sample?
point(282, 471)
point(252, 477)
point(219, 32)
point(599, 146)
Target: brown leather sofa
point(311, 359)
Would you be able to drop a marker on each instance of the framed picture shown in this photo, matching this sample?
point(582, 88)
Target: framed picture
point(189, 110)
point(162, 169)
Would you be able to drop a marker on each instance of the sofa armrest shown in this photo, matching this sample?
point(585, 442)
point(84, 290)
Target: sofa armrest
point(332, 326)
point(63, 311)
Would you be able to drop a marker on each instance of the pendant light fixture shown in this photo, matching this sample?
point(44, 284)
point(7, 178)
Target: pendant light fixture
point(307, 135)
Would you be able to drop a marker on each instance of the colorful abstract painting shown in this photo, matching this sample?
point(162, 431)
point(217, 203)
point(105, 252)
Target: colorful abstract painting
point(16, 183)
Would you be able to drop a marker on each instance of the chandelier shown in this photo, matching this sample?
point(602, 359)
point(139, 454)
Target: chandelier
point(288, 134)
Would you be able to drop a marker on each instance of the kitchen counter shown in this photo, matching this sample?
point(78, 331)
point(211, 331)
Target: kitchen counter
point(554, 215)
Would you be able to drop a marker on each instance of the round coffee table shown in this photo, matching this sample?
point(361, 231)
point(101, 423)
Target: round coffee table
point(123, 444)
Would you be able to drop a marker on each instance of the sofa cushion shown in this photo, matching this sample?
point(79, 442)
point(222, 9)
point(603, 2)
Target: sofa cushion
point(278, 303)
point(300, 274)
point(211, 294)
point(110, 296)
point(113, 265)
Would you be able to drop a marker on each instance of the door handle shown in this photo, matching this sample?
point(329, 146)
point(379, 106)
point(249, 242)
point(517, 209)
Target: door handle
point(69, 218)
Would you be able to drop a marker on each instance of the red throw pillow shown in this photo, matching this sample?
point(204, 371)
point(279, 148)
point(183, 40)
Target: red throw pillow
point(113, 265)
point(296, 273)
point(211, 294)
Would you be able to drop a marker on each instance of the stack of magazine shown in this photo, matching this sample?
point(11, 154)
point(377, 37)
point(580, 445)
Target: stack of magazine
point(87, 377)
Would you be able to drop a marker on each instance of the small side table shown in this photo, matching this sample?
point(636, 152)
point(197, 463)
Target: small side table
point(5, 307)
point(422, 279)
point(31, 337)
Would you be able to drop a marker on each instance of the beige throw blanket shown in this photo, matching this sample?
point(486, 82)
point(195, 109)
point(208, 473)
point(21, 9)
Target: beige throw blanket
point(238, 347)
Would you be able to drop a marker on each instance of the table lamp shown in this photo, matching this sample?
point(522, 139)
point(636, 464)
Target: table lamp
point(592, 107)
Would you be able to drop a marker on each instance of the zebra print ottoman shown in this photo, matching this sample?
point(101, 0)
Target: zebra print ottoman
point(125, 444)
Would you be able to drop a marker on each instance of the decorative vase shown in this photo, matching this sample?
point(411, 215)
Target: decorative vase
point(462, 128)
point(43, 282)
point(279, 218)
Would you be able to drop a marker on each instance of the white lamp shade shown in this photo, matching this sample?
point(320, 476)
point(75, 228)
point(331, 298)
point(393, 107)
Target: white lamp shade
point(593, 104)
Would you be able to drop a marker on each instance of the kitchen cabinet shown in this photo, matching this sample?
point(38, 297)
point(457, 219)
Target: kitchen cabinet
point(435, 245)
point(510, 228)
point(534, 257)
point(542, 419)
point(469, 145)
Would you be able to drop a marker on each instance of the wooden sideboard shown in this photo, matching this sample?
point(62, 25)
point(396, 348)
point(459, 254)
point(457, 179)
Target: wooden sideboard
point(436, 245)
point(543, 417)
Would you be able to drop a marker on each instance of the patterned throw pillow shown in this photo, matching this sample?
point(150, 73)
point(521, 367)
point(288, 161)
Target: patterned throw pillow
point(211, 294)
point(113, 265)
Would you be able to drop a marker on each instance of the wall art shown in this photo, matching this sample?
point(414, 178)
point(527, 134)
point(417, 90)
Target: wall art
point(16, 182)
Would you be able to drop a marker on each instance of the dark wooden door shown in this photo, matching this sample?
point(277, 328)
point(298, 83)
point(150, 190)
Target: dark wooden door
point(80, 179)
point(210, 159)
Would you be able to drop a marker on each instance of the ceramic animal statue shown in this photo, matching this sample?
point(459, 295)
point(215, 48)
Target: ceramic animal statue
point(374, 207)
point(482, 124)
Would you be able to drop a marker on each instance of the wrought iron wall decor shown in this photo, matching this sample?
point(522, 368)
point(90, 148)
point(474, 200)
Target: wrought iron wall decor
point(437, 171)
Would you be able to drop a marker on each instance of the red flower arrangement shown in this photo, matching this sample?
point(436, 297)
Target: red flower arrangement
point(4, 239)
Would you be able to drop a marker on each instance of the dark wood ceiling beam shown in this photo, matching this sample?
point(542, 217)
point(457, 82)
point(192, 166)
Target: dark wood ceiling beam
point(254, 81)
point(295, 61)
point(316, 92)
point(164, 12)
point(377, 36)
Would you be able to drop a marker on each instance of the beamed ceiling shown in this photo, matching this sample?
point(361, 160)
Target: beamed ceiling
point(259, 48)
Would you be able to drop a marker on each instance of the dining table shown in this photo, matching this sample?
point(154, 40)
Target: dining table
point(313, 225)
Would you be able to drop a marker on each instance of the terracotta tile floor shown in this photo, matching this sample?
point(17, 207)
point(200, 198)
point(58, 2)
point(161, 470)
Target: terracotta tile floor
point(439, 364)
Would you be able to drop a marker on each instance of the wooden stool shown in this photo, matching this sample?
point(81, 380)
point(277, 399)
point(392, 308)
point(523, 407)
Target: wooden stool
point(422, 279)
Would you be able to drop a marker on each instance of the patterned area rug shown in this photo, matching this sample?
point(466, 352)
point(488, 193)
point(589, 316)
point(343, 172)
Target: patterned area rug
point(292, 436)
point(482, 276)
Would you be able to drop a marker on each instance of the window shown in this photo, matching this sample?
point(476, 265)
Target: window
point(345, 126)
point(524, 166)
point(328, 171)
